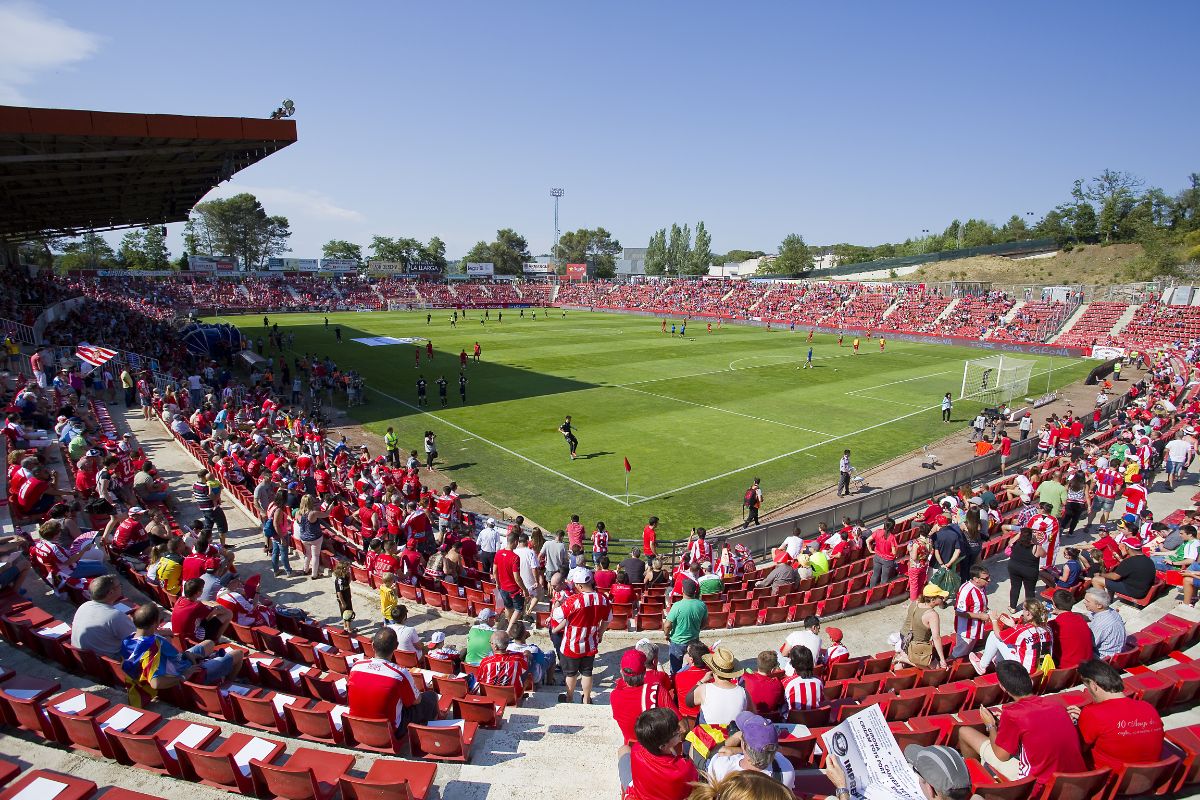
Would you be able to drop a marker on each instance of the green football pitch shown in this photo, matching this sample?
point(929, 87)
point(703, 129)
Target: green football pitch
point(697, 417)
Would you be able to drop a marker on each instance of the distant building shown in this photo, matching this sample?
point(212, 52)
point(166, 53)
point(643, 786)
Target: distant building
point(632, 262)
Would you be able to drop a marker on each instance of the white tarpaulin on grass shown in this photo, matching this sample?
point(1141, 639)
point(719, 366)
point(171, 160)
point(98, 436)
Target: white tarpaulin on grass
point(380, 341)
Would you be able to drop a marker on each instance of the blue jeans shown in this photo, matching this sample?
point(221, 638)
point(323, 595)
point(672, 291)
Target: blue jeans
point(86, 568)
point(279, 552)
point(675, 654)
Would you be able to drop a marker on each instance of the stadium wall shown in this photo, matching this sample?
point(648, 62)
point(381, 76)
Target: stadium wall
point(1031, 348)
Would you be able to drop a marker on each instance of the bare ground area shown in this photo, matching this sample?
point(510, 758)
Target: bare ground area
point(1089, 264)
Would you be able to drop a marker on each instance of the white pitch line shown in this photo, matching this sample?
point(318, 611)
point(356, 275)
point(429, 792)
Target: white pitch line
point(819, 444)
point(514, 453)
point(788, 454)
point(722, 410)
point(905, 380)
point(788, 360)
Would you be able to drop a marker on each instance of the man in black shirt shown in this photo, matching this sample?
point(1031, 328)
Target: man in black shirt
point(421, 387)
point(462, 387)
point(568, 433)
point(441, 384)
point(1133, 577)
point(635, 568)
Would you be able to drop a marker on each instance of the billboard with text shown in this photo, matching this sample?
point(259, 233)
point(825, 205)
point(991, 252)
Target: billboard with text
point(339, 265)
point(481, 269)
point(385, 267)
point(212, 263)
point(424, 268)
point(577, 272)
point(537, 268)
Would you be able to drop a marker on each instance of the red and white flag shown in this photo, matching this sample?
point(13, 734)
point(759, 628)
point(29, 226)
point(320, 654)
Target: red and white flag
point(96, 356)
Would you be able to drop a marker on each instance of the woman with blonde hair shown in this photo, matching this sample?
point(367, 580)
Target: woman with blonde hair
point(742, 785)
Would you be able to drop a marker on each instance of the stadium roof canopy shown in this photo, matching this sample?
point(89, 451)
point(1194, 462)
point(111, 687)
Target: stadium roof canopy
point(63, 172)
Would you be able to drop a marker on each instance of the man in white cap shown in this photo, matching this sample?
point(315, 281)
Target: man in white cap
point(581, 619)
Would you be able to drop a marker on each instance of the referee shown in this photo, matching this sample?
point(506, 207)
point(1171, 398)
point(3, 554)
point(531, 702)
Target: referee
point(845, 470)
point(568, 433)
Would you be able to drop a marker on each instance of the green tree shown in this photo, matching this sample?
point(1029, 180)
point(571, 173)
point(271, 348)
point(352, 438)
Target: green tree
point(92, 251)
point(404, 250)
point(340, 248)
point(656, 253)
point(679, 247)
point(737, 256)
point(1083, 222)
point(1115, 192)
point(508, 252)
point(1015, 230)
point(851, 253)
point(435, 252)
point(1185, 210)
point(130, 253)
point(593, 246)
point(237, 226)
point(795, 258)
point(1054, 226)
point(154, 248)
point(701, 257)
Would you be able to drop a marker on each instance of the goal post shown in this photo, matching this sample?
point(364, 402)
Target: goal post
point(995, 379)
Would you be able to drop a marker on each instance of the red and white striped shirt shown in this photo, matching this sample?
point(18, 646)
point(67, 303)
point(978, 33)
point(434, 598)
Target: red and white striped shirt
point(1108, 482)
point(804, 693)
point(699, 550)
point(836, 654)
point(51, 557)
point(505, 669)
point(586, 614)
point(1135, 498)
point(1045, 531)
point(970, 600)
point(1029, 643)
point(599, 541)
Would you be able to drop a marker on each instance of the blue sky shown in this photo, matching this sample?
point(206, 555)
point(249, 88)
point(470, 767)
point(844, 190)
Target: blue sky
point(860, 122)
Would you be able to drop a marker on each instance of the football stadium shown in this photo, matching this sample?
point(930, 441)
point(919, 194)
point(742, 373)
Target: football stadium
point(310, 498)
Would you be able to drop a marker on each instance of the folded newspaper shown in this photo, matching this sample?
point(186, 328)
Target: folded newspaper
point(871, 758)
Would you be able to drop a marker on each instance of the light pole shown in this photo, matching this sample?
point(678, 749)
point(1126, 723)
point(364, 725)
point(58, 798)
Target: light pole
point(924, 240)
point(555, 193)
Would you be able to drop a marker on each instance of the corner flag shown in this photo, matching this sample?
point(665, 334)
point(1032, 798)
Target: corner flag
point(628, 468)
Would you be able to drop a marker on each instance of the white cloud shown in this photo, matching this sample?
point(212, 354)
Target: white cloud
point(289, 202)
point(35, 42)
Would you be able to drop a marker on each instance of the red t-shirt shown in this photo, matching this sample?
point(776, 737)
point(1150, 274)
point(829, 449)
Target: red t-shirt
point(378, 689)
point(1038, 732)
point(1121, 731)
point(1072, 640)
point(186, 616)
point(129, 532)
point(685, 681)
point(605, 578)
point(508, 564)
point(411, 561)
point(628, 702)
point(766, 693)
point(385, 563)
point(665, 777)
point(29, 493)
point(622, 593)
point(648, 541)
point(193, 566)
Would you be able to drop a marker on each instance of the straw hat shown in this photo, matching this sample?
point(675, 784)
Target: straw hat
point(723, 664)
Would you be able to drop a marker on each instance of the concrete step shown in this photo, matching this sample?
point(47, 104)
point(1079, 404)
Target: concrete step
point(1124, 320)
point(1069, 323)
point(946, 311)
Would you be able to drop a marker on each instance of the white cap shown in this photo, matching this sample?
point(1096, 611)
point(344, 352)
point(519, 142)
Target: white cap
point(437, 638)
point(580, 575)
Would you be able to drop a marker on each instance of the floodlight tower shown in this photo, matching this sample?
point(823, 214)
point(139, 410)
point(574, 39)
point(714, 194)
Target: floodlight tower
point(555, 193)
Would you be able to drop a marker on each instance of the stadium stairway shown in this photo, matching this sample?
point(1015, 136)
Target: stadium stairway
point(1012, 312)
point(946, 312)
point(1124, 320)
point(1080, 310)
point(895, 304)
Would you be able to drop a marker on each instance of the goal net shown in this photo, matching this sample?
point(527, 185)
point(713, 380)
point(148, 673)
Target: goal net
point(995, 379)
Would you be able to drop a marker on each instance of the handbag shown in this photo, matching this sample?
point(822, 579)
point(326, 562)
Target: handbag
point(946, 579)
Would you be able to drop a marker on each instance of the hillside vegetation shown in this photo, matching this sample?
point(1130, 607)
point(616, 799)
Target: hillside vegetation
point(1086, 264)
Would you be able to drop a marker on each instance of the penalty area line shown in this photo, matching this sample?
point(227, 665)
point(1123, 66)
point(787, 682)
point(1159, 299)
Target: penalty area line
point(790, 453)
point(513, 453)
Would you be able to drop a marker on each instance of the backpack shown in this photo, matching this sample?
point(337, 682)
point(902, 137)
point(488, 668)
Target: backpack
point(750, 498)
